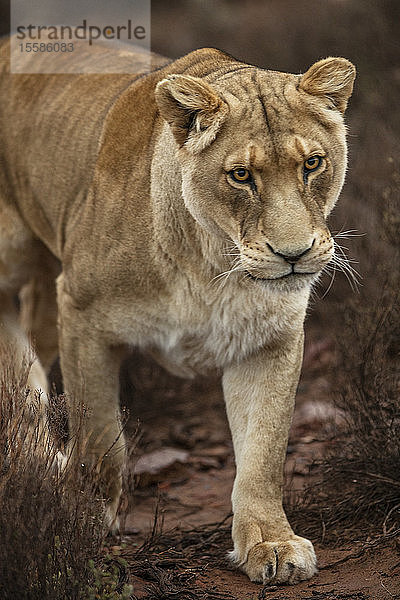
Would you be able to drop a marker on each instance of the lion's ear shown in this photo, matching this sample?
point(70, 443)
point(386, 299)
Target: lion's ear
point(332, 78)
point(190, 106)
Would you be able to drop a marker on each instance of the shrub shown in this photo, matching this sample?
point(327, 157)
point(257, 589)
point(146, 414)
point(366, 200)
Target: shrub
point(51, 523)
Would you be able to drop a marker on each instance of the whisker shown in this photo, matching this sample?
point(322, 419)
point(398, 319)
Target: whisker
point(237, 266)
point(231, 246)
point(341, 259)
point(348, 234)
point(331, 281)
point(344, 255)
point(229, 272)
point(341, 262)
point(352, 276)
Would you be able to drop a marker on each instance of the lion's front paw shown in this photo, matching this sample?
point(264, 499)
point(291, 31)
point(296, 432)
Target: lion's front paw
point(288, 561)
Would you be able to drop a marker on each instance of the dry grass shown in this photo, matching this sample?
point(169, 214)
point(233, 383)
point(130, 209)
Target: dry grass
point(358, 494)
point(171, 560)
point(361, 481)
point(358, 491)
point(51, 523)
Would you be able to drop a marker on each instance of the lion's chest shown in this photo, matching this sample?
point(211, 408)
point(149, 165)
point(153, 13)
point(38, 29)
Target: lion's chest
point(195, 333)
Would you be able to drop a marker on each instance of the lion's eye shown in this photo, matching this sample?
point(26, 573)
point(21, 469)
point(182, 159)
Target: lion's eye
point(241, 175)
point(312, 163)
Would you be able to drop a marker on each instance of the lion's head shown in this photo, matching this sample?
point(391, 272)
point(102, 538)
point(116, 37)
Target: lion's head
point(263, 159)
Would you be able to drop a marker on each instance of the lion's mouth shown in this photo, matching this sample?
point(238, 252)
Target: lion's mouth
point(294, 274)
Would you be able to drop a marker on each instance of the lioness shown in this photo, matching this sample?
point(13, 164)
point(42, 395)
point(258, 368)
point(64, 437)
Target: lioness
point(185, 211)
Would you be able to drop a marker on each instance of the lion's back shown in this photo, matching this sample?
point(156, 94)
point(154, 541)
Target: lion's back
point(53, 126)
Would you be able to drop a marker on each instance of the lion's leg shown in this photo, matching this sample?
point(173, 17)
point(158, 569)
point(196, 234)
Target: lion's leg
point(38, 311)
point(17, 351)
point(90, 368)
point(17, 259)
point(259, 395)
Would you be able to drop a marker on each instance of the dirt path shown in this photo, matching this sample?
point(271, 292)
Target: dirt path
point(186, 465)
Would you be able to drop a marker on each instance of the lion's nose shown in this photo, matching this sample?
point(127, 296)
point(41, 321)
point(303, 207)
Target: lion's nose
point(291, 256)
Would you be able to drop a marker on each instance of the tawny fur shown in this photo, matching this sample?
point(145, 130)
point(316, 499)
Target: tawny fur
point(122, 186)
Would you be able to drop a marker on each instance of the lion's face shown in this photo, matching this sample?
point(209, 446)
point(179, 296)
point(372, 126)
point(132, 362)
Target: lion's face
point(263, 161)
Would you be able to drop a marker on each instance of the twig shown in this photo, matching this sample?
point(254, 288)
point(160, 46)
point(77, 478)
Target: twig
point(367, 546)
